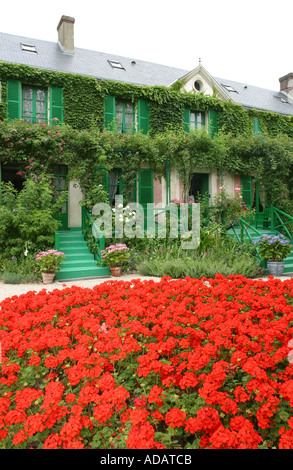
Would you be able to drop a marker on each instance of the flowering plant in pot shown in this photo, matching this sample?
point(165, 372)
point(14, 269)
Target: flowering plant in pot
point(49, 262)
point(114, 256)
point(274, 249)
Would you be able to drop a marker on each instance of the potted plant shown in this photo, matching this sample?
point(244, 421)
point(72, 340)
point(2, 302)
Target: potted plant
point(273, 249)
point(114, 256)
point(49, 263)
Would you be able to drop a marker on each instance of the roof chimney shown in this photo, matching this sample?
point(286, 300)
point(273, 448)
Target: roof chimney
point(286, 84)
point(65, 30)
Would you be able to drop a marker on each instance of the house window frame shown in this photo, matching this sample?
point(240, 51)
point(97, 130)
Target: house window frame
point(122, 126)
point(34, 118)
point(197, 120)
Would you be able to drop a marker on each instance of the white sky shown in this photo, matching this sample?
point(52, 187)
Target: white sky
point(247, 41)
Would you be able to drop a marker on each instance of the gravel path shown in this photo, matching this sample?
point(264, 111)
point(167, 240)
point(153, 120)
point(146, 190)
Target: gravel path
point(9, 290)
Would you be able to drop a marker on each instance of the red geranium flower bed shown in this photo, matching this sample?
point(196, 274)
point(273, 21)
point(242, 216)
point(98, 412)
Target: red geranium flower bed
point(144, 365)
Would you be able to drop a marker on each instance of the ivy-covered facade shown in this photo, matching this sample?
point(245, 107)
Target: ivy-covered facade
point(180, 136)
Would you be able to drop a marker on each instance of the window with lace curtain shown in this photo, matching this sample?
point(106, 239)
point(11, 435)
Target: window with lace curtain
point(197, 120)
point(125, 122)
point(34, 104)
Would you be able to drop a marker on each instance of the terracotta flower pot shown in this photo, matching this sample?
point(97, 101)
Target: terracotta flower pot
point(48, 278)
point(116, 271)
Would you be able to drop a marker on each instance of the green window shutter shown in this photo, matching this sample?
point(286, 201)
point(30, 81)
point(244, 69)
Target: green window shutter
point(246, 186)
point(146, 191)
point(213, 122)
point(56, 103)
point(109, 118)
point(256, 126)
point(13, 99)
point(186, 119)
point(146, 186)
point(143, 116)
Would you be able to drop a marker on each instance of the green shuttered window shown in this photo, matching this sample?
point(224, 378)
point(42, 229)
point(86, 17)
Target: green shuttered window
point(193, 120)
point(246, 187)
point(256, 126)
point(120, 115)
point(213, 122)
point(13, 99)
point(30, 102)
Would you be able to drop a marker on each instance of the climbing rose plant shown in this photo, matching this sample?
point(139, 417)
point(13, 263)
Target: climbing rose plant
point(178, 364)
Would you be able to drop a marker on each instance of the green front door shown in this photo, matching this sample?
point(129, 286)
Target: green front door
point(254, 197)
point(253, 193)
point(60, 184)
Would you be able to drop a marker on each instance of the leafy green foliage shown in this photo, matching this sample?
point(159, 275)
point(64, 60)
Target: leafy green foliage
point(28, 218)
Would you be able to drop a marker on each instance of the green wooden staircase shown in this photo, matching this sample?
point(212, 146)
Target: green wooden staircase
point(79, 262)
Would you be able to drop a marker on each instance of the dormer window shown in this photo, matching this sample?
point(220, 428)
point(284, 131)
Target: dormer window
point(116, 65)
point(283, 99)
point(28, 48)
point(229, 88)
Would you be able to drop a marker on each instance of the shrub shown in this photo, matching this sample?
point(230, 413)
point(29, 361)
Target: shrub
point(12, 278)
point(202, 266)
point(29, 218)
point(23, 268)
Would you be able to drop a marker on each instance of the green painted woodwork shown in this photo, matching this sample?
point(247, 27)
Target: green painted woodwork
point(109, 112)
point(34, 104)
point(253, 232)
point(13, 99)
point(213, 122)
point(193, 119)
point(124, 117)
point(20, 95)
point(256, 126)
point(79, 262)
point(143, 116)
point(56, 103)
point(186, 119)
point(168, 181)
point(146, 189)
point(119, 115)
point(246, 187)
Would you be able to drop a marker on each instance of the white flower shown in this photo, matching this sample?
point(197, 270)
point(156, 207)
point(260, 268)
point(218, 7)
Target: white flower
point(26, 252)
point(120, 206)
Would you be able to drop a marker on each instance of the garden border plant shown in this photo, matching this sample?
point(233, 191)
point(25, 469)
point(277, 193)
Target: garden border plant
point(184, 364)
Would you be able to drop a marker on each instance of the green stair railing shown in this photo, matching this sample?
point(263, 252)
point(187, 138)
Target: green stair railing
point(87, 222)
point(278, 224)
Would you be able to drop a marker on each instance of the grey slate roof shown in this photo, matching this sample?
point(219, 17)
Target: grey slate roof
point(258, 98)
point(49, 56)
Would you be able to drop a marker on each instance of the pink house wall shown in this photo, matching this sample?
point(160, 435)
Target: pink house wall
point(157, 188)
